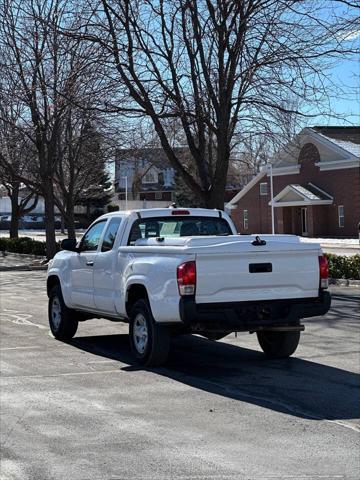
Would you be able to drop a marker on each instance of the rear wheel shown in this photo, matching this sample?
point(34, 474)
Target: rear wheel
point(149, 341)
point(62, 321)
point(278, 344)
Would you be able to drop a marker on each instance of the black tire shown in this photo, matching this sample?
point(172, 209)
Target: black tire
point(278, 344)
point(62, 321)
point(152, 348)
point(214, 335)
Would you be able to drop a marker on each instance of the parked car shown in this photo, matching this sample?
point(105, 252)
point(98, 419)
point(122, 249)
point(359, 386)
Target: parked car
point(173, 271)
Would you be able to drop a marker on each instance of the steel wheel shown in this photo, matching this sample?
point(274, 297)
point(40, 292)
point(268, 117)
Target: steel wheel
point(140, 333)
point(62, 320)
point(149, 341)
point(55, 312)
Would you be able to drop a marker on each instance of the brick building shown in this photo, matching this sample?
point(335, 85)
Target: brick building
point(316, 187)
point(150, 180)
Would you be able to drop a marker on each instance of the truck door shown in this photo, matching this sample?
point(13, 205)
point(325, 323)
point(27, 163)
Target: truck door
point(106, 269)
point(82, 267)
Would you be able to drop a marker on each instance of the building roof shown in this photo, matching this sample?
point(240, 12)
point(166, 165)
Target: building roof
point(296, 195)
point(247, 187)
point(335, 144)
point(352, 148)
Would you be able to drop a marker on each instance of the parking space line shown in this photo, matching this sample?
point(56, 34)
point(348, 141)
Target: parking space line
point(20, 348)
point(67, 374)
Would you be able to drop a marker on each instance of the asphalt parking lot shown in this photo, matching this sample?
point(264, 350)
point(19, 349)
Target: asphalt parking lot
point(218, 410)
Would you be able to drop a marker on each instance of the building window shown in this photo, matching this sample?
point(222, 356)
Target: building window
point(341, 216)
point(246, 220)
point(151, 176)
point(263, 188)
point(158, 195)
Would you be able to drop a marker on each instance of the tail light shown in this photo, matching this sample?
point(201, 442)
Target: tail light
point(180, 212)
point(324, 272)
point(186, 278)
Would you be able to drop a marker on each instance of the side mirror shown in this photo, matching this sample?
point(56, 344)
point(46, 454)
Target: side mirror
point(69, 244)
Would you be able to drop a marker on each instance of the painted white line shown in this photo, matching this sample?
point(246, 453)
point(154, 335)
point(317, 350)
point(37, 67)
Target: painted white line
point(102, 361)
point(19, 348)
point(20, 318)
point(68, 374)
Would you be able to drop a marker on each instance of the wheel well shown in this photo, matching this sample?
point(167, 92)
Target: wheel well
point(134, 293)
point(51, 282)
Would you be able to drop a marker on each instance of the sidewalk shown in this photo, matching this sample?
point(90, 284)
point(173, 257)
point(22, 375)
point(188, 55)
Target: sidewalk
point(337, 246)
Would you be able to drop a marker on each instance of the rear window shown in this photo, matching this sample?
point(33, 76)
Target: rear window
point(170, 227)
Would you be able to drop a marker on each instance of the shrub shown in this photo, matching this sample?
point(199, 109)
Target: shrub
point(112, 208)
point(23, 245)
point(344, 267)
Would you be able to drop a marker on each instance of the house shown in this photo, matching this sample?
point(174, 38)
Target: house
point(145, 176)
point(148, 180)
point(316, 187)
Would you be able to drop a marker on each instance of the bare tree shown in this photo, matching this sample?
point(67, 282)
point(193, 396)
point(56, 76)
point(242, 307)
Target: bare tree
point(218, 67)
point(82, 160)
point(49, 75)
point(34, 69)
point(16, 159)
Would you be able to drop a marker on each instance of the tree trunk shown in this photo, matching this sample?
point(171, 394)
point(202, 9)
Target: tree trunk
point(62, 228)
point(70, 218)
point(49, 220)
point(14, 222)
point(215, 198)
point(15, 213)
point(71, 230)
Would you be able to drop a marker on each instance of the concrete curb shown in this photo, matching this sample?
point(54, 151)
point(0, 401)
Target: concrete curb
point(344, 282)
point(23, 268)
point(21, 255)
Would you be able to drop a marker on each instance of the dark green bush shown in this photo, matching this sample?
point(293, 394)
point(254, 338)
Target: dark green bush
point(112, 208)
point(23, 245)
point(344, 267)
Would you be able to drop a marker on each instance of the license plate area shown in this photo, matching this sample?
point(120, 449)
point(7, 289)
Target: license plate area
point(260, 267)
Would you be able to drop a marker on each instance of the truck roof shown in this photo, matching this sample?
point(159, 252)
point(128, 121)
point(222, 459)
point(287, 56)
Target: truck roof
point(167, 212)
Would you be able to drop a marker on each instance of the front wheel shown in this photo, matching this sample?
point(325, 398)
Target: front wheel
point(278, 344)
point(149, 341)
point(62, 323)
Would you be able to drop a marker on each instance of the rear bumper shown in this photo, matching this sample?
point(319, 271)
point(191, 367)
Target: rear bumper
point(248, 316)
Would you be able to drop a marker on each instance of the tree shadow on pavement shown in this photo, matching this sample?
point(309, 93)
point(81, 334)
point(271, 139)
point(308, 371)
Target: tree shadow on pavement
point(294, 386)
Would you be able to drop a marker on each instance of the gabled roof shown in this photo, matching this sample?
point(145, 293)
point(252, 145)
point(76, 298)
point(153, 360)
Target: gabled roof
point(247, 187)
point(347, 138)
point(297, 195)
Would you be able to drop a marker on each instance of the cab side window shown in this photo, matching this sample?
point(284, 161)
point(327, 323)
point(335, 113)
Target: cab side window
point(110, 234)
point(91, 239)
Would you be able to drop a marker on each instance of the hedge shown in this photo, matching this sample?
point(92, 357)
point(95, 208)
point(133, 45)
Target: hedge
point(23, 245)
point(344, 267)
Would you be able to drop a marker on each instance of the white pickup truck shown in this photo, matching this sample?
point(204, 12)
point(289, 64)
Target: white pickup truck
point(173, 271)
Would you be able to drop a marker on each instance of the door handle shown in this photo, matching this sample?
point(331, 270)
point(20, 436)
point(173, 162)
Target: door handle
point(90, 264)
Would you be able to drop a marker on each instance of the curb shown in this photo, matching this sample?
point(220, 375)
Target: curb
point(23, 268)
point(344, 282)
point(22, 255)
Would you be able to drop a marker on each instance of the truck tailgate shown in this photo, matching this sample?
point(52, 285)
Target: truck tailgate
point(238, 273)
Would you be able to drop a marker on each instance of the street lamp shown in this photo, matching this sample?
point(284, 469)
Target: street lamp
point(126, 192)
point(270, 170)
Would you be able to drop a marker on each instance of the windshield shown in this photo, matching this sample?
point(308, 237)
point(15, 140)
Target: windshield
point(172, 227)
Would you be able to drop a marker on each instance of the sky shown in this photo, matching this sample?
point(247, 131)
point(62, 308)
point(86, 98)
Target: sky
point(347, 75)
